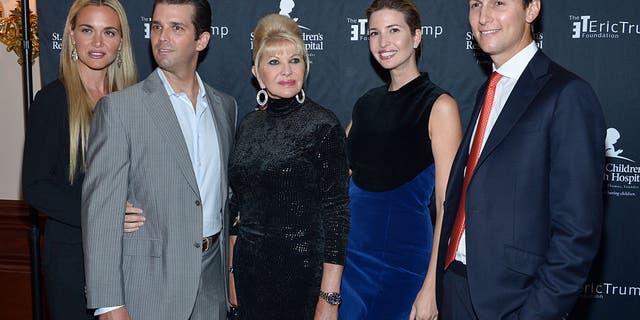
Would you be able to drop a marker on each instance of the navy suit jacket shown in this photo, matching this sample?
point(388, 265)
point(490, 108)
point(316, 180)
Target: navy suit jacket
point(534, 204)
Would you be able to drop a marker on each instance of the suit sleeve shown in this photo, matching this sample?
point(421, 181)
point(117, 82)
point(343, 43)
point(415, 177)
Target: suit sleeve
point(334, 189)
point(103, 205)
point(44, 143)
point(576, 152)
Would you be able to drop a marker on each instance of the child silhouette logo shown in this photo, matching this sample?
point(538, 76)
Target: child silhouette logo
point(286, 6)
point(610, 150)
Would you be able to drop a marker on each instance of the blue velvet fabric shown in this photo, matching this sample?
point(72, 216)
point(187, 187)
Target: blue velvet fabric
point(388, 250)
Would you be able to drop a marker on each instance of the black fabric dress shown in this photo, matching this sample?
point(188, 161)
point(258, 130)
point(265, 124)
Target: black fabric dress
point(45, 185)
point(289, 177)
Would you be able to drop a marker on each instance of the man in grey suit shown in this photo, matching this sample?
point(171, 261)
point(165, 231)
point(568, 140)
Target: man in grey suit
point(163, 146)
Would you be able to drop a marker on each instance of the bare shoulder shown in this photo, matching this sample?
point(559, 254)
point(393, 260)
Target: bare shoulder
point(445, 107)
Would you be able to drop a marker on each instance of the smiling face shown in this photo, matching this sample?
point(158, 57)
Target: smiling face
point(97, 37)
point(280, 70)
point(391, 41)
point(172, 38)
point(502, 28)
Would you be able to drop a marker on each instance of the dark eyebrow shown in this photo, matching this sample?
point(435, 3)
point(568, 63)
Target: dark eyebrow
point(179, 24)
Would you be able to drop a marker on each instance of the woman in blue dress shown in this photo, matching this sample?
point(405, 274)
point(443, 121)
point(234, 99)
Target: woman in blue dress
point(401, 142)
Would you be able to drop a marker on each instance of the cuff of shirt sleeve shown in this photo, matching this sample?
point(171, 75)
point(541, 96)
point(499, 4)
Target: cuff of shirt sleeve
point(100, 311)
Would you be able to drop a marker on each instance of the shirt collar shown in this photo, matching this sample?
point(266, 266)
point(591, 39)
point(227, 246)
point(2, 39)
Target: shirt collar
point(171, 92)
point(515, 66)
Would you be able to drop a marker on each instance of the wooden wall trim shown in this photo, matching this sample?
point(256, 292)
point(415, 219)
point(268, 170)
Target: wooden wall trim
point(15, 266)
point(14, 236)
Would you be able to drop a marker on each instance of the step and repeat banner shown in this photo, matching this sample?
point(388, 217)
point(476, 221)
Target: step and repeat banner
point(598, 40)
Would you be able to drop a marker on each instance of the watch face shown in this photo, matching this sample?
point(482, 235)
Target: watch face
point(334, 298)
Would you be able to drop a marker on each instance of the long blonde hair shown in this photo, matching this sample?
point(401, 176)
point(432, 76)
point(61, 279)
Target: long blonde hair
point(80, 104)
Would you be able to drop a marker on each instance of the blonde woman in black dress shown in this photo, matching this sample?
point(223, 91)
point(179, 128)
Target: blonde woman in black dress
point(288, 173)
point(96, 59)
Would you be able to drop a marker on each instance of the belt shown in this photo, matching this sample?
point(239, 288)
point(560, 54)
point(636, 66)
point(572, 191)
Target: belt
point(207, 242)
point(458, 268)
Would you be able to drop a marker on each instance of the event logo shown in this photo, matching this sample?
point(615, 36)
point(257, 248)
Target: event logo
point(601, 290)
point(313, 41)
point(358, 30)
point(621, 175)
point(481, 57)
point(56, 41)
point(216, 31)
point(586, 27)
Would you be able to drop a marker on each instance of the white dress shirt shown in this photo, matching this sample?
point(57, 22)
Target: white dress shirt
point(510, 71)
point(201, 137)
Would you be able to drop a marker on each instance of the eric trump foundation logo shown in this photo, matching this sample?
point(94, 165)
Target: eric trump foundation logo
point(622, 175)
point(590, 27)
point(359, 30)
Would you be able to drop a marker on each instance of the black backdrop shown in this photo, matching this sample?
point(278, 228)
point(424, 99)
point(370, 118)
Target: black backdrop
point(598, 40)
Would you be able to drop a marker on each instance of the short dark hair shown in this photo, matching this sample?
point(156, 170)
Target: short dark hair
point(408, 10)
point(201, 15)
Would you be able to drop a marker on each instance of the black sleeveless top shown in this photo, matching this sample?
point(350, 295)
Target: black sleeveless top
point(388, 144)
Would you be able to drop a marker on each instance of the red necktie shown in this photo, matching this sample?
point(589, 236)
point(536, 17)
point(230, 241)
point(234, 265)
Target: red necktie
point(474, 155)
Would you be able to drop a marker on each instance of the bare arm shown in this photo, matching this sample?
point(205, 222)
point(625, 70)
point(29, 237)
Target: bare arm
point(445, 132)
point(348, 128)
point(233, 299)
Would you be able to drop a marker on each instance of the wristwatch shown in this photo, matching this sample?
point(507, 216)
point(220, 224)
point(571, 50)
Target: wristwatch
point(334, 298)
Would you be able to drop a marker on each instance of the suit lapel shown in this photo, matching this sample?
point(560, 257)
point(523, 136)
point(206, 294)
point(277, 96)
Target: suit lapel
point(534, 77)
point(222, 132)
point(159, 107)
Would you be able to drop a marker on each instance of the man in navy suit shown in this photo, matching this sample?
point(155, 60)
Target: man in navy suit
point(523, 209)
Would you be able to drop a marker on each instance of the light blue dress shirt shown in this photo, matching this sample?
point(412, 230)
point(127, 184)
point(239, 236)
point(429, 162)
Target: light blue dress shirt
point(201, 137)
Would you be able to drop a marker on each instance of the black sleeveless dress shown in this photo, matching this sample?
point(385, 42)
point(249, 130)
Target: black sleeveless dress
point(392, 181)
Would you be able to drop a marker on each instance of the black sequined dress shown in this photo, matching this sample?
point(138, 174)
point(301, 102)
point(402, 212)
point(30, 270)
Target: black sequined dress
point(289, 177)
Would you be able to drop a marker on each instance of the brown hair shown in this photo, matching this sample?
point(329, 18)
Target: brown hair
point(408, 10)
point(201, 14)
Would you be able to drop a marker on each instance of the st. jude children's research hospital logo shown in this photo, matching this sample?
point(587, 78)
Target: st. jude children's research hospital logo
point(622, 175)
point(589, 27)
point(313, 42)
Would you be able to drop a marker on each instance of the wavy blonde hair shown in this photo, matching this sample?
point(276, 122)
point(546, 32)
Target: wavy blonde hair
point(80, 104)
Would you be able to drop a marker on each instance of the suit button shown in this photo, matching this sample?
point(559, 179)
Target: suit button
point(198, 203)
point(197, 245)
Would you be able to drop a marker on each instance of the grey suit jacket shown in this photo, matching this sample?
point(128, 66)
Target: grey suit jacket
point(137, 152)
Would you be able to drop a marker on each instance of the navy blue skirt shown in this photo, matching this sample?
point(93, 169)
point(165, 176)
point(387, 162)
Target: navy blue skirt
point(388, 251)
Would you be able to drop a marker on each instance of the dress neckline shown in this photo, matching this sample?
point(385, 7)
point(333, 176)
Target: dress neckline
point(283, 106)
point(409, 85)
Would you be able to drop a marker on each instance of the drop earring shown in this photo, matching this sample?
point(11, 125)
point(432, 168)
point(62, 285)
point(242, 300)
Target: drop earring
point(119, 59)
point(74, 54)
